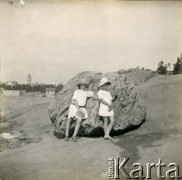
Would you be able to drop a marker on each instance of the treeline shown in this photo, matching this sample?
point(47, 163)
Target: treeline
point(168, 69)
point(32, 88)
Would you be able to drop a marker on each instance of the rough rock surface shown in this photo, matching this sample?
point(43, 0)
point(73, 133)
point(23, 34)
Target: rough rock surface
point(137, 76)
point(128, 107)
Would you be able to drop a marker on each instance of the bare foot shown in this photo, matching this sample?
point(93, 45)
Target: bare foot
point(109, 137)
point(106, 137)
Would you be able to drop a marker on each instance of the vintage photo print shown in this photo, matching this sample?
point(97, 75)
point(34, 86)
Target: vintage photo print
point(90, 89)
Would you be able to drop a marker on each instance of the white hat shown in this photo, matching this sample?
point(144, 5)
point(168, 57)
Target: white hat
point(104, 81)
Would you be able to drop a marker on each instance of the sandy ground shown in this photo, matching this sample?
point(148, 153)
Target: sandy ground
point(46, 157)
point(37, 154)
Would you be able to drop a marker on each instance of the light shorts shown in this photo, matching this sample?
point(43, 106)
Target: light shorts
point(73, 110)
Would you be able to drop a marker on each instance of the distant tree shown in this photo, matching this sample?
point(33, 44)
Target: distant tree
point(162, 69)
point(31, 88)
point(58, 88)
point(161, 63)
point(178, 66)
point(28, 88)
point(168, 66)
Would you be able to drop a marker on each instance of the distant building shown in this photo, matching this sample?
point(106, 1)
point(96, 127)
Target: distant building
point(29, 79)
point(11, 93)
point(50, 92)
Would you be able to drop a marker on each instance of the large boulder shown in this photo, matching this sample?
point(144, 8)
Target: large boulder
point(128, 108)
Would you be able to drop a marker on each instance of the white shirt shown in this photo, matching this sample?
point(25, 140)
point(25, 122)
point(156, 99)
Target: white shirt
point(104, 109)
point(81, 96)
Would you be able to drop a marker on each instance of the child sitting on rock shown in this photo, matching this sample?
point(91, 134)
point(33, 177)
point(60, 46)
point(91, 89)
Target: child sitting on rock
point(106, 108)
point(77, 109)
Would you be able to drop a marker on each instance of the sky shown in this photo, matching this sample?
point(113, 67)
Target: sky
point(55, 40)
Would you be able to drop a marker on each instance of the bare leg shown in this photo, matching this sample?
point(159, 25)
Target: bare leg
point(78, 123)
point(111, 118)
point(105, 125)
point(68, 127)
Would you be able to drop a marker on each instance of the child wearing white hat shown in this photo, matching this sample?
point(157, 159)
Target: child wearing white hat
point(106, 108)
point(77, 108)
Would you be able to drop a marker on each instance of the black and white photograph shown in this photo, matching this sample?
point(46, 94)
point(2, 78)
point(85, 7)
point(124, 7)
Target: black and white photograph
point(90, 89)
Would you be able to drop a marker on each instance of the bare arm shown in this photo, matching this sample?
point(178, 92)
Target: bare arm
point(106, 103)
point(75, 102)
